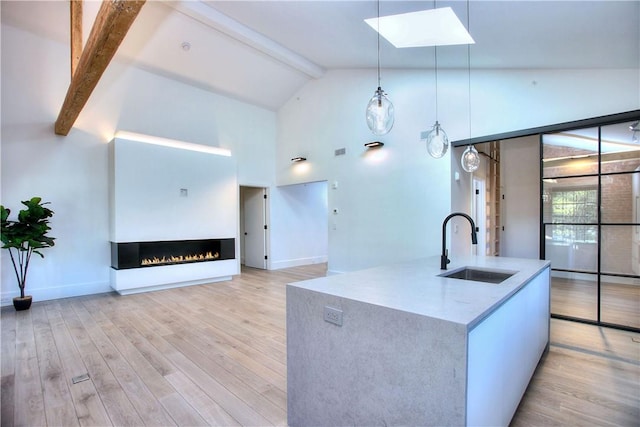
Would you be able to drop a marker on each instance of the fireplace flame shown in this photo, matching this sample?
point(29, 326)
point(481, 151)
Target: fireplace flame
point(179, 259)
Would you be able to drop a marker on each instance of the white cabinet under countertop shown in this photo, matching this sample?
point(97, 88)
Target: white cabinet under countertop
point(503, 352)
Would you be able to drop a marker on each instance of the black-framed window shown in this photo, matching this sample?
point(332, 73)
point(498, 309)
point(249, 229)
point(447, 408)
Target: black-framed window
point(573, 206)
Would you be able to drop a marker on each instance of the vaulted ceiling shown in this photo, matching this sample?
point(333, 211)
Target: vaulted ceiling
point(262, 52)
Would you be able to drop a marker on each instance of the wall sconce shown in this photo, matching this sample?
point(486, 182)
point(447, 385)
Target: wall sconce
point(298, 159)
point(374, 144)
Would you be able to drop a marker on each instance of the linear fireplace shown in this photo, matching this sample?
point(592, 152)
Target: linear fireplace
point(161, 253)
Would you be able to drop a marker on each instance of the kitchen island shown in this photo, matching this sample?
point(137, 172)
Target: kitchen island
point(400, 344)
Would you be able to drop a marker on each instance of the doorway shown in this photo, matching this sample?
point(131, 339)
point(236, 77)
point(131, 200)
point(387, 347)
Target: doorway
point(253, 227)
point(479, 210)
point(486, 200)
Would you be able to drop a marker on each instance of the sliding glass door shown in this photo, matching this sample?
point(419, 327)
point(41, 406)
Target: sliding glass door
point(591, 223)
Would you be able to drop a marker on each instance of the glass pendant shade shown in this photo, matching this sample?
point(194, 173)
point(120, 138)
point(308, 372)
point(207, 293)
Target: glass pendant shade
point(437, 141)
point(470, 159)
point(379, 113)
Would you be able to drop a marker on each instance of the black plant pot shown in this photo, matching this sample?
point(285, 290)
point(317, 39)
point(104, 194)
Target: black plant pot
point(22, 303)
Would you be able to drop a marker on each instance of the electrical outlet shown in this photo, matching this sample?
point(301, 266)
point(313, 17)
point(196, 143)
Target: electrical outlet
point(333, 315)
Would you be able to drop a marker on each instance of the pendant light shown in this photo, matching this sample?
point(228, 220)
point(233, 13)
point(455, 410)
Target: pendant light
point(379, 111)
point(437, 140)
point(470, 158)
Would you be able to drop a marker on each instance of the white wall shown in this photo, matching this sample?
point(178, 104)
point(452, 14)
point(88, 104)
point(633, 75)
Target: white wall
point(388, 198)
point(520, 175)
point(148, 203)
point(301, 226)
point(392, 202)
point(72, 172)
point(509, 100)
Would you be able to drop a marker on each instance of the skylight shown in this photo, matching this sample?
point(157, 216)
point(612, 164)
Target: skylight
point(433, 27)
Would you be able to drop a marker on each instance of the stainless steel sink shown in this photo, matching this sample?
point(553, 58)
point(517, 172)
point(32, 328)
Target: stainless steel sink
point(479, 275)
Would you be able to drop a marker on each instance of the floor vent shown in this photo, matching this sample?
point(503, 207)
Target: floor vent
point(340, 151)
point(80, 378)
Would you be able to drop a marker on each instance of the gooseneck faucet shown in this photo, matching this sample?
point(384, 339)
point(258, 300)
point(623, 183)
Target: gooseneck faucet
point(444, 260)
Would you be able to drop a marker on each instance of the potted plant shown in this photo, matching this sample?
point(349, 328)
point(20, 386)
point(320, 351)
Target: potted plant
point(23, 238)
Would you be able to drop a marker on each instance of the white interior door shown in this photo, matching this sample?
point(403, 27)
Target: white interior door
point(254, 223)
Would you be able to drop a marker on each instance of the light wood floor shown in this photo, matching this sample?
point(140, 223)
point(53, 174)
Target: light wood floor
point(619, 304)
point(215, 355)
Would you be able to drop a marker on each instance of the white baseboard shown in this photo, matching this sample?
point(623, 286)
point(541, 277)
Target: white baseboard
point(277, 265)
point(57, 292)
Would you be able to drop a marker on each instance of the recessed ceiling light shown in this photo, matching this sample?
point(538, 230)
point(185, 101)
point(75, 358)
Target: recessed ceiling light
point(433, 27)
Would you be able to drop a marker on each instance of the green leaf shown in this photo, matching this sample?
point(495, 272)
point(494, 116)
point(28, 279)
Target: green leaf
point(4, 214)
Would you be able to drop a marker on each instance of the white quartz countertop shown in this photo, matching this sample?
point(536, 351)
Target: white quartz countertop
point(416, 287)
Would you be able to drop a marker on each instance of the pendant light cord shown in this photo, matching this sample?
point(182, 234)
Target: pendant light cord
point(378, 23)
point(435, 56)
point(435, 59)
point(469, 66)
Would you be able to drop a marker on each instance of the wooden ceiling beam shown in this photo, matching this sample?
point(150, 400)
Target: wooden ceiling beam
point(75, 7)
point(114, 19)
